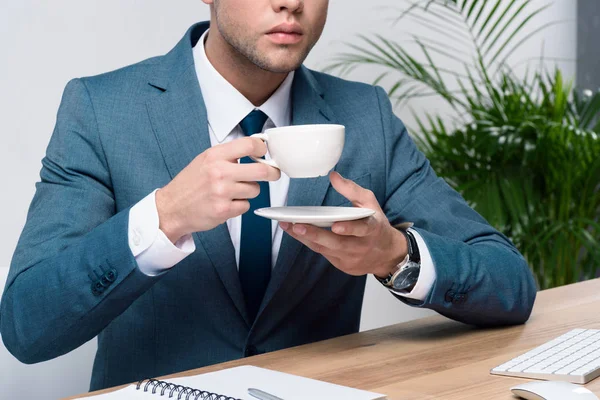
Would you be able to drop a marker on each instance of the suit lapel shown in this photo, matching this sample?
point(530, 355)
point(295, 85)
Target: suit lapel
point(180, 123)
point(308, 107)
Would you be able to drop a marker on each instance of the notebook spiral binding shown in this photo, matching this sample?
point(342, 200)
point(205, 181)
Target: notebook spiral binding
point(183, 392)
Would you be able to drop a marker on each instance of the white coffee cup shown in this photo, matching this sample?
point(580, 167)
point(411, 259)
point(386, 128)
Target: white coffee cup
point(303, 151)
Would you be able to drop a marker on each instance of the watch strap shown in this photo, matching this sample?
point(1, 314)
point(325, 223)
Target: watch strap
point(405, 277)
point(413, 248)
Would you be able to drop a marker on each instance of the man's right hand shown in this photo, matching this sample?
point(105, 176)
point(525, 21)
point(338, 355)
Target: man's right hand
point(213, 188)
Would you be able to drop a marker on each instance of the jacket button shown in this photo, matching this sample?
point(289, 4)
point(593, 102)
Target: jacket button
point(460, 298)
point(97, 288)
point(112, 274)
point(250, 351)
point(449, 297)
point(109, 277)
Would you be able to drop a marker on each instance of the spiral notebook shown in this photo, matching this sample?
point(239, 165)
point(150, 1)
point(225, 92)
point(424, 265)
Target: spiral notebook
point(233, 384)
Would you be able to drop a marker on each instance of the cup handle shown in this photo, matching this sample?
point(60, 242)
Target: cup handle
point(265, 138)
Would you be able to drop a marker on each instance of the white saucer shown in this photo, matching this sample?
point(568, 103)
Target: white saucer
point(322, 217)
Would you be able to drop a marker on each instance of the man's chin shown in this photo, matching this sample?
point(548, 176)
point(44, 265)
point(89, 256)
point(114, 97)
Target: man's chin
point(280, 66)
point(282, 70)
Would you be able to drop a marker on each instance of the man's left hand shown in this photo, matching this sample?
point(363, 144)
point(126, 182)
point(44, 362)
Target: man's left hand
point(366, 246)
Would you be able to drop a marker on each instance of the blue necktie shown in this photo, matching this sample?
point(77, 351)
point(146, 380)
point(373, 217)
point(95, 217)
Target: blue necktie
point(255, 246)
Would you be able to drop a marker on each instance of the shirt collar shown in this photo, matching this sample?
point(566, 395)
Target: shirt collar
point(226, 106)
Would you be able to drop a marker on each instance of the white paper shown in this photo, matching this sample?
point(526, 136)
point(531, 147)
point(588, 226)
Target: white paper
point(235, 382)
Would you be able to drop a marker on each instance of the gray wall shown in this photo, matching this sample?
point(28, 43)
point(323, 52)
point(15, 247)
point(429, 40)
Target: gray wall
point(588, 44)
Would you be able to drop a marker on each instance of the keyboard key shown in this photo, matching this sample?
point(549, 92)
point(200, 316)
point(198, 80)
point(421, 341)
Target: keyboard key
point(571, 356)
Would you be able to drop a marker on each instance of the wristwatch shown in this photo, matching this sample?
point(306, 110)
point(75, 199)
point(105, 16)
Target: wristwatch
point(404, 277)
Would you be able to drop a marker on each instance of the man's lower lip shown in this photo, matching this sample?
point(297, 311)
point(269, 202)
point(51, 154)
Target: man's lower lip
point(285, 38)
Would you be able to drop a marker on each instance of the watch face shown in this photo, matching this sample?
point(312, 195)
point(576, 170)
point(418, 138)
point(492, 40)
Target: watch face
point(407, 277)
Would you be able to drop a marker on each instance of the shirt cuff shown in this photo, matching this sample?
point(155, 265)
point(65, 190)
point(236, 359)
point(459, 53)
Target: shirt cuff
point(427, 273)
point(153, 251)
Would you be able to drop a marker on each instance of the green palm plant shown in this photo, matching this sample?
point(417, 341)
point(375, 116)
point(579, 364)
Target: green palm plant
point(524, 152)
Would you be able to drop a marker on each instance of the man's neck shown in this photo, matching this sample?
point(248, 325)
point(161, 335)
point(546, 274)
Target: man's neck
point(254, 83)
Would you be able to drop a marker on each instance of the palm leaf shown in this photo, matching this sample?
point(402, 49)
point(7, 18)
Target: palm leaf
point(523, 151)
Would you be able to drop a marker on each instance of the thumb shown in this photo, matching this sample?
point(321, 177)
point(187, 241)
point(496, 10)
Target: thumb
point(358, 195)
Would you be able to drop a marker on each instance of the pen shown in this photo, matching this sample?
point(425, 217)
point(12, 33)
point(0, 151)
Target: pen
point(259, 394)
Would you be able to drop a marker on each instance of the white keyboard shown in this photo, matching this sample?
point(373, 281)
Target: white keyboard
point(572, 357)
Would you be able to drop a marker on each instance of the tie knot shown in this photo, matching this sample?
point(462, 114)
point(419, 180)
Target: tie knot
point(253, 123)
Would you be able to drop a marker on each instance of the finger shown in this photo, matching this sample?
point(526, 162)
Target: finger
point(323, 237)
point(239, 148)
point(238, 207)
point(245, 190)
point(359, 228)
point(358, 195)
point(317, 248)
point(331, 256)
point(254, 172)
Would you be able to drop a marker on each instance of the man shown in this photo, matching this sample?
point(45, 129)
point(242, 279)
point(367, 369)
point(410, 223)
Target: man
point(186, 275)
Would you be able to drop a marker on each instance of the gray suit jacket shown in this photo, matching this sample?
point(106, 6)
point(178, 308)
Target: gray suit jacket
point(120, 135)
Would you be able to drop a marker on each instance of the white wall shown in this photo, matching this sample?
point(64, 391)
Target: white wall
point(44, 44)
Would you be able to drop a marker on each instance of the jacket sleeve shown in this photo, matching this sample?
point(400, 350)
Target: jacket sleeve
point(481, 278)
point(73, 271)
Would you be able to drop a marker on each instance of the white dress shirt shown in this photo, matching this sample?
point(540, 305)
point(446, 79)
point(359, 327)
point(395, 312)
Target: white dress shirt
point(226, 107)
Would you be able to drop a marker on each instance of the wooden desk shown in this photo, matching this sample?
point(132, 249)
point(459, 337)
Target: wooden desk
point(436, 358)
